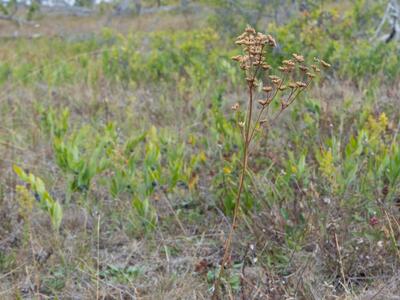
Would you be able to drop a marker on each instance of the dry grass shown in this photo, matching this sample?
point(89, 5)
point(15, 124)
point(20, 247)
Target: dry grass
point(170, 263)
point(78, 27)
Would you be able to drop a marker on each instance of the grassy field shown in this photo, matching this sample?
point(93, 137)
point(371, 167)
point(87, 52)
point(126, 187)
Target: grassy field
point(120, 158)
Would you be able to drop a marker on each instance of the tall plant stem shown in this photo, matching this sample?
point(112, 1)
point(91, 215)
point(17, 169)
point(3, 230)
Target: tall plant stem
point(247, 140)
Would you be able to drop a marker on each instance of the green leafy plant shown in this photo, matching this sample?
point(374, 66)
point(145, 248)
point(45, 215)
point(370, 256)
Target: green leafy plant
point(46, 201)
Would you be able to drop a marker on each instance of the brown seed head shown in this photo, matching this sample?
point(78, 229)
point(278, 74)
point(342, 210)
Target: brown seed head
point(235, 106)
point(315, 68)
point(325, 64)
point(298, 58)
point(250, 30)
point(237, 58)
point(303, 68)
point(267, 89)
point(276, 82)
point(310, 75)
point(289, 63)
point(266, 66)
point(263, 102)
point(283, 69)
point(273, 77)
point(262, 38)
point(241, 36)
point(250, 80)
point(301, 84)
point(282, 87)
point(271, 41)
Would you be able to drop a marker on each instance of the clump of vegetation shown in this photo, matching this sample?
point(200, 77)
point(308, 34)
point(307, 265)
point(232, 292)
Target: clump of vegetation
point(294, 79)
point(125, 172)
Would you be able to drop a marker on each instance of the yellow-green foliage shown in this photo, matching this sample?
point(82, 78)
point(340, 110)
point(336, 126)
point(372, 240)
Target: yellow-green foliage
point(327, 166)
point(377, 126)
point(47, 203)
point(136, 131)
point(25, 201)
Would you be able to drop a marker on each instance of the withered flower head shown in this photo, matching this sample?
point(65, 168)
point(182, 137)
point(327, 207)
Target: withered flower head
point(282, 87)
point(325, 64)
point(237, 58)
point(263, 102)
point(250, 29)
point(310, 75)
point(235, 106)
point(301, 84)
point(271, 41)
point(283, 69)
point(273, 77)
point(298, 58)
point(276, 82)
point(289, 63)
point(267, 89)
point(315, 68)
point(250, 80)
point(303, 68)
point(266, 66)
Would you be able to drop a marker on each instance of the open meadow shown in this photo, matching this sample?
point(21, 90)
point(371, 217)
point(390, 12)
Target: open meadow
point(138, 160)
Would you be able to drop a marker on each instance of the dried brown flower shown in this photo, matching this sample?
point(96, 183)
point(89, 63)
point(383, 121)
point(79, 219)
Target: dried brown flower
point(273, 77)
point(237, 58)
point(298, 58)
point(263, 102)
point(267, 89)
point(325, 64)
point(310, 75)
point(276, 82)
point(315, 68)
point(301, 84)
point(271, 41)
point(235, 106)
point(266, 66)
point(253, 61)
point(303, 68)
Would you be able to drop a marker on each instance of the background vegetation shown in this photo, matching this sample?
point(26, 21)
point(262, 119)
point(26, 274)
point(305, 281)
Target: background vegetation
point(119, 155)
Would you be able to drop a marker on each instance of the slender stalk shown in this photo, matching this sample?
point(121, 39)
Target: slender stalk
point(252, 62)
point(228, 242)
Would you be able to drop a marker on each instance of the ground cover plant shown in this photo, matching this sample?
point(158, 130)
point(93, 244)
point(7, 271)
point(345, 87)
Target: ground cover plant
point(133, 166)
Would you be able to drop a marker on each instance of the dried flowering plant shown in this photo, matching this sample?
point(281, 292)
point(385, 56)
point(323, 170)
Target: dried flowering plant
point(281, 89)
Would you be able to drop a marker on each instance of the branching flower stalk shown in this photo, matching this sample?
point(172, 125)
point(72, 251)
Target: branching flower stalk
point(294, 79)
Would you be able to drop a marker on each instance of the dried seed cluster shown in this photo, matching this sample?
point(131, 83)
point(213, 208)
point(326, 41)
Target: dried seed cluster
point(294, 76)
point(253, 44)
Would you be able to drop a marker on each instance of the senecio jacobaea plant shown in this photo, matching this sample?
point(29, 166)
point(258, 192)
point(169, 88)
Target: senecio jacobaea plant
point(280, 88)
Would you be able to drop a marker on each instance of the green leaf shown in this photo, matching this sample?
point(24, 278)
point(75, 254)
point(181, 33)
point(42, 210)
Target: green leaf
point(56, 215)
point(39, 186)
point(21, 174)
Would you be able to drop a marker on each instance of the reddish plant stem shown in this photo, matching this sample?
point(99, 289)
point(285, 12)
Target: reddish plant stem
point(228, 242)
